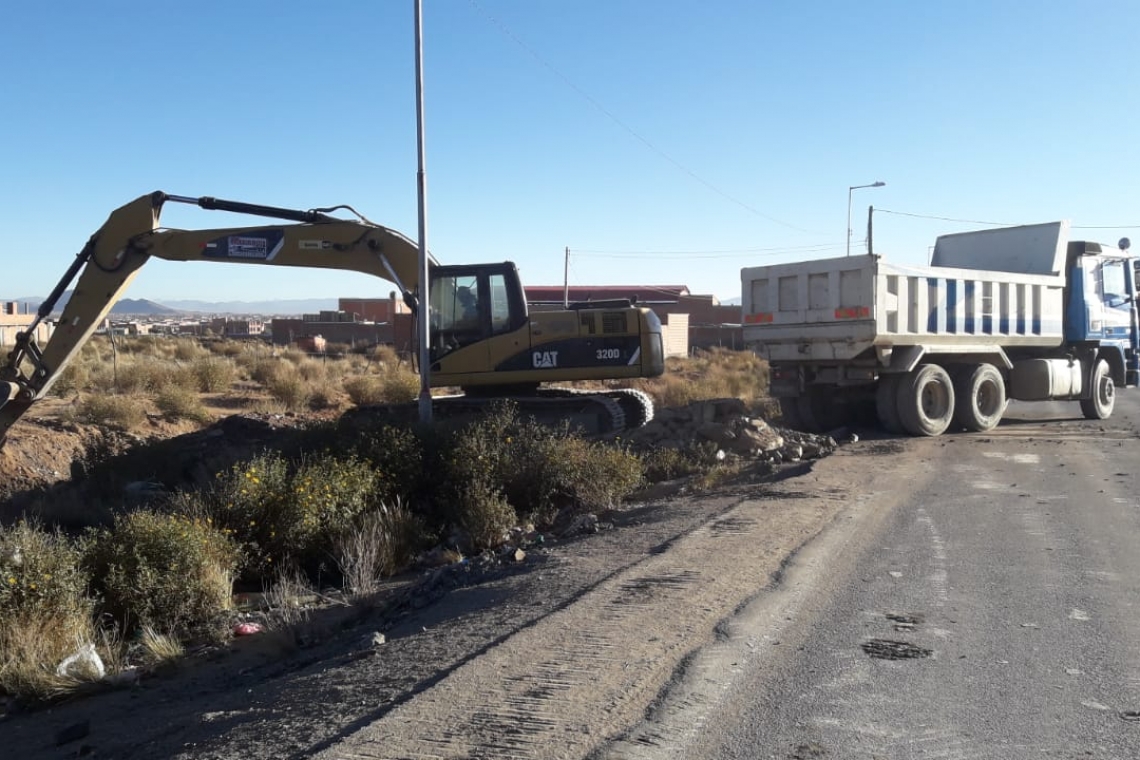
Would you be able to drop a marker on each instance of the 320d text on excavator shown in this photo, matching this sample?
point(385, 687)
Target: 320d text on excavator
point(483, 339)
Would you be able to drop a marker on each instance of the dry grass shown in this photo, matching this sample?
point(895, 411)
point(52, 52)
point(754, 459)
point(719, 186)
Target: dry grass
point(160, 649)
point(718, 373)
point(378, 544)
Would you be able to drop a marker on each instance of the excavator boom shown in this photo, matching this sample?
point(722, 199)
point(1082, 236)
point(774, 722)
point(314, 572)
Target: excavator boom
point(132, 235)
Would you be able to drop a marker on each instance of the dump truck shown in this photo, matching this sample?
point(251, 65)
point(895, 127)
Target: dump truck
point(1008, 313)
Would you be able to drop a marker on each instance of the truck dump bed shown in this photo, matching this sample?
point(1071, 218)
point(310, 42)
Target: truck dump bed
point(839, 309)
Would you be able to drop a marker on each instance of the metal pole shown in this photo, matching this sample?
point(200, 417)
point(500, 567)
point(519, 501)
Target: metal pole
point(870, 230)
point(849, 190)
point(421, 181)
point(566, 280)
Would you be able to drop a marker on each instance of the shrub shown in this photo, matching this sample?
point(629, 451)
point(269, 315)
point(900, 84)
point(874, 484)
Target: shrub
point(171, 573)
point(396, 456)
point(392, 386)
point(484, 515)
point(364, 390)
point(188, 349)
point(116, 411)
point(540, 470)
point(227, 348)
point(290, 390)
point(74, 378)
point(181, 404)
point(264, 370)
point(45, 614)
point(279, 516)
point(666, 464)
point(214, 375)
point(400, 386)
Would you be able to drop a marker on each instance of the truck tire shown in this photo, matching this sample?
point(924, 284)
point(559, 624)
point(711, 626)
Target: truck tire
point(1103, 400)
point(926, 400)
point(887, 403)
point(979, 397)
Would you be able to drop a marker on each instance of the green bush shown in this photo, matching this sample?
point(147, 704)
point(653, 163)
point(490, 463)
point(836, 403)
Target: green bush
point(45, 613)
point(280, 516)
point(666, 464)
point(484, 515)
point(396, 455)
point(40, 573)
point(168, 572)
point(539, 470)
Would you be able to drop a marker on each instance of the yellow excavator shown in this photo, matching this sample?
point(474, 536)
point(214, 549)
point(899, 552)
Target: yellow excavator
point(483, 339)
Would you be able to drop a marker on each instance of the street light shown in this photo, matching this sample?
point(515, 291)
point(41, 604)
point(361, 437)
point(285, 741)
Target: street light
point(849, 191)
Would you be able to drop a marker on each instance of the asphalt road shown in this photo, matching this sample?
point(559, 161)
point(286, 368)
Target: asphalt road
point(984, 607)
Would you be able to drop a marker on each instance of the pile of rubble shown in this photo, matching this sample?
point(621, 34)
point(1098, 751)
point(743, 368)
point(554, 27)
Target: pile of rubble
point(727, 424)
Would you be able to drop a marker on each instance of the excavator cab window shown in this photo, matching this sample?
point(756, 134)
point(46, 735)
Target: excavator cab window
point(459, 312)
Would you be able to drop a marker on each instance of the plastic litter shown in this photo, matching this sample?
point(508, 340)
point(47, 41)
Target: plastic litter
point(247, 629)
point(85, 663)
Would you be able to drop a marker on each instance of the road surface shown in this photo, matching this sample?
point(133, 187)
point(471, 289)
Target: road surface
point(990, 611)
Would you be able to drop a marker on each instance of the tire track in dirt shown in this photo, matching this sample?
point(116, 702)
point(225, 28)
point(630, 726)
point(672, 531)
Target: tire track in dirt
point(584, 674)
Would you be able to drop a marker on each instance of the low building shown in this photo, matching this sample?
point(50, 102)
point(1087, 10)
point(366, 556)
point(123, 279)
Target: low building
point(15, 318)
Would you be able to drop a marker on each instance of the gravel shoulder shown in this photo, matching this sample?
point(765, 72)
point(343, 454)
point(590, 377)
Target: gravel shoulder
point(549, 656)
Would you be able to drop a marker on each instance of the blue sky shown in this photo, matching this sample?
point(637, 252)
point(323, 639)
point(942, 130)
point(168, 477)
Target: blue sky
point(663, 142)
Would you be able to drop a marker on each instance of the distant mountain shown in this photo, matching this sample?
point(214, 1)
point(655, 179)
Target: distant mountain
point(286, 306)
point(734, 301)
point(143, 306)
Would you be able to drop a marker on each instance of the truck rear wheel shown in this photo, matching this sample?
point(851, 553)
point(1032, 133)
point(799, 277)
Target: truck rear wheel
point(926, 400)
point(821, 409)
point(979, 397)
point(887, 403)
point(1103, 400)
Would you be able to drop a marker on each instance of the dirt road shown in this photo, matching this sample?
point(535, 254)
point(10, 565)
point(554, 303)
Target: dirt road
point(549, 657)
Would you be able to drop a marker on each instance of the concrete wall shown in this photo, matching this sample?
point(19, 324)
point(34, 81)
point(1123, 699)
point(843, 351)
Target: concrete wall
point(286, 331)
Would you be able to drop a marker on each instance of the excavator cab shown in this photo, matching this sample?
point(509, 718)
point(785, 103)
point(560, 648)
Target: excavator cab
point(474, 303)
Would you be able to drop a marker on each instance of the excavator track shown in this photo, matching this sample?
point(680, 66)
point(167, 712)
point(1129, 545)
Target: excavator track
point(595, 414)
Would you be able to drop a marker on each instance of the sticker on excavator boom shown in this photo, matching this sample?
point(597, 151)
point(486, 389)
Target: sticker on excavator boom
point(314, 245)
point(261, 245)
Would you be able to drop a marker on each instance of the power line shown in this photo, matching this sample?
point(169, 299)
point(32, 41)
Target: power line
point(707, 254)
point(1002, 224)
point(592, 101)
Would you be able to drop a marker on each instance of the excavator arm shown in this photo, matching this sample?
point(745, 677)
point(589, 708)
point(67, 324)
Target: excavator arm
point(132, 235)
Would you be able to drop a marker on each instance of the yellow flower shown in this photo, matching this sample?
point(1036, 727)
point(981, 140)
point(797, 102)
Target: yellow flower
point(11, 581)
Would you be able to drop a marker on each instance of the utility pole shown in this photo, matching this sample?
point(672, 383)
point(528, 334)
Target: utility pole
point(423, 322)
point(870, 230)
point(566, 280)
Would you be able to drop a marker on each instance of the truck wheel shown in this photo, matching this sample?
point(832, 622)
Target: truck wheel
point(979, 397)
point(887, 403)
point(926, 400)
point(1100, 406)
